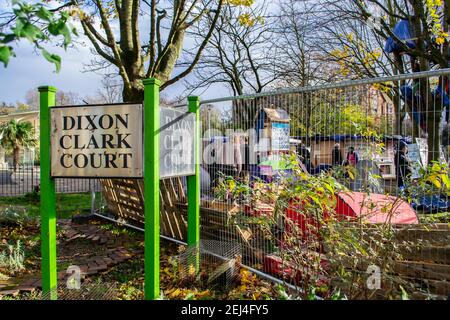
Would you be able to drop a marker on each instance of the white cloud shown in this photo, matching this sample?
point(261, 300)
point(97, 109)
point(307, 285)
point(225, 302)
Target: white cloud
point(29, 70)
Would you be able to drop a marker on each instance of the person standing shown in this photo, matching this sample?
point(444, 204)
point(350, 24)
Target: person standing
point(238, 159)
point(402, 164)
point(305, 155)
point(336, 155)
point(352, 158)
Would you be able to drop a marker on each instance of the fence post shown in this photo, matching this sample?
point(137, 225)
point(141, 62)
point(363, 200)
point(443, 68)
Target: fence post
point(151, 187)
point(47, 197)
point(193, 182)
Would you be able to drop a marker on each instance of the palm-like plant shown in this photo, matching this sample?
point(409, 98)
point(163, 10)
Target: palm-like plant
point(16, 135)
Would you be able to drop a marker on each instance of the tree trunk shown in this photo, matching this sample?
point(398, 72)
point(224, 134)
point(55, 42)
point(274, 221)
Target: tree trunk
point(398, 120)
point(16, 152)
point(135, 70)
point(434, 138)
point(135, 93)
point(399, 67)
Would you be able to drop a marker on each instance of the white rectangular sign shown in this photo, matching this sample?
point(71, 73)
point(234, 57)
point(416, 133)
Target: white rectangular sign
point(97, 141)
point(414, 154)
point(423, 150)
point(280, 136)
point(176, 155)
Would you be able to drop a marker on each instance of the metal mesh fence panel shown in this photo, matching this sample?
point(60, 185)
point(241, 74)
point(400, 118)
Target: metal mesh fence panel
point(377, 149)
point(334, 189)
point(209, 263)
point(85, 291)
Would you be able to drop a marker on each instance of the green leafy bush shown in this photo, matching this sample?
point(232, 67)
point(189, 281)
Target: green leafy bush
point(325, 254)
point(14, 215)
point(12, 259)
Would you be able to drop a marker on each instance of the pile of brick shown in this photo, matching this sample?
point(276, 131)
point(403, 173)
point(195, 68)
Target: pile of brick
point(108, 250)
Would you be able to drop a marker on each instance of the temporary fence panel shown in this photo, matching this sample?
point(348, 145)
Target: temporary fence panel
point(353, 131)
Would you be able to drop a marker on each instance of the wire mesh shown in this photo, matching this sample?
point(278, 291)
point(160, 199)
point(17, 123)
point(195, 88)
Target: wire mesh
point(86, 291)
point(355, 132)
point(209, 263)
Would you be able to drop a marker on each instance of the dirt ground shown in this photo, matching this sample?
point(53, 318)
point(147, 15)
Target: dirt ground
point(112, 266)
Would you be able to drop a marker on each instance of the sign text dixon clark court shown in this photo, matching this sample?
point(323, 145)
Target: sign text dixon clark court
point(97, 141)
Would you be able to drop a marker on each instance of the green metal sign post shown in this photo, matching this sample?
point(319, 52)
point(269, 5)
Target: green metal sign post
point(193, 185)
point(151, 188)
point(151, 175)
point(193, 182)
point(48, 204)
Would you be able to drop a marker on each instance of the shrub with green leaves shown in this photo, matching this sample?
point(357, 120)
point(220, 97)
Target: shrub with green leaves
point(322, 253)
point(37, 24)
point(433, 179)
point(12, 259)
point(14, 215)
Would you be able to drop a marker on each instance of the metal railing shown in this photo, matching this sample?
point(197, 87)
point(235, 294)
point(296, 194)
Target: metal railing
point(25, 179)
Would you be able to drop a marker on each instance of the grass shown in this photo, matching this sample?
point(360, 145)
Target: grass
point(119, 230)
point(441, 217)
point(67, 205)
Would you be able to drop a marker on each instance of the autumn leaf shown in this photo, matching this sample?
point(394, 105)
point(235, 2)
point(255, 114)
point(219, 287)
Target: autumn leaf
point(435, 181)
point(175, 293)
point(445, 179)
point(351, 175)
point(191, 270)
point(440, 40)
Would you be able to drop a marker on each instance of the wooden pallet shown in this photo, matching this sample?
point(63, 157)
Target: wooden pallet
point(124, 198)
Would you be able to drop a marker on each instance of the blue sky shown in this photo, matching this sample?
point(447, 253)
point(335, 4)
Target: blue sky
point(28, 70)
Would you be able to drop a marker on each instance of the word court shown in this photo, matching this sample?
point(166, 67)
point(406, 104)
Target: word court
point(96, 141)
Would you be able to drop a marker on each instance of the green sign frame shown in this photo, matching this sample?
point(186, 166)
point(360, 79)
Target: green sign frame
point(151, 190)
